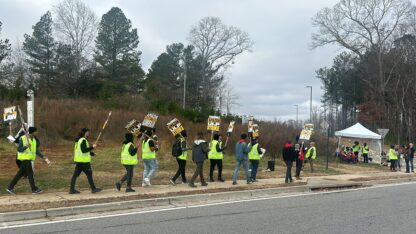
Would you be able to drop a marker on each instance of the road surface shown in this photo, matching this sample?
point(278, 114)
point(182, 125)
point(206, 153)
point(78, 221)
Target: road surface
point(389, 209)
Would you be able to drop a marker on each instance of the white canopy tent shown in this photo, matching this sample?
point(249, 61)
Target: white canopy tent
point(361, 132)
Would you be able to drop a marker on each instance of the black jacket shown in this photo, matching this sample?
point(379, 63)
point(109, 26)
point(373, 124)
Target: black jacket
point(289, 153)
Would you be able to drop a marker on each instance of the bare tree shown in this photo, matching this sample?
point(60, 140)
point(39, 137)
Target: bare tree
point(77, 24)
point(363, 26)
point(217, 45)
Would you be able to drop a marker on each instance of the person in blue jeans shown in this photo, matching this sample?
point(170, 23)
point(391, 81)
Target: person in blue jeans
point(149, 149)
point(254, 157)
point(241, 157)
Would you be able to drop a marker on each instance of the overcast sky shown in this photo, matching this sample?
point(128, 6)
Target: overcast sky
point(269, 81)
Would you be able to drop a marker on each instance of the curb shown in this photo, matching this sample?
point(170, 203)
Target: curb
point(183, 200)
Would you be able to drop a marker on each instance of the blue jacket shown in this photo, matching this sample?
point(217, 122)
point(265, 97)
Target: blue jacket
point(241, 151)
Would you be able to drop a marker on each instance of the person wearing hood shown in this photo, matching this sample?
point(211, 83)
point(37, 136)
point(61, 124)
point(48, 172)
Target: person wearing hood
point(254, 157)
point(289, 157)
point(27, 150)
point(241, 157)
point(199, 154)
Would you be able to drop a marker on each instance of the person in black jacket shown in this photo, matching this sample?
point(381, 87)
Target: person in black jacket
point(216, 155)
point(181, 159)
point(83, 151)
point(27, 145)
point(199, 154)
point(128, 160)
point(289, 157)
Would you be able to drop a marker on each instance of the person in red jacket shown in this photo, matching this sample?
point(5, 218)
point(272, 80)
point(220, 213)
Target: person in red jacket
point(300, 156)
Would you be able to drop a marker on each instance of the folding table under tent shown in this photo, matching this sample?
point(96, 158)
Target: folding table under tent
point(361, 132)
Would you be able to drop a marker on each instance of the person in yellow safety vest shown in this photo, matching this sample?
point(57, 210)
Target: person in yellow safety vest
point(393, 158)
point(356, 150)
point(364, 152)
point(181, 158)
point(82, 158)
point(311, 154)
point(254, 158)
point(27, 151)
point(128, 160)
point(149, 149)
point(215, 156)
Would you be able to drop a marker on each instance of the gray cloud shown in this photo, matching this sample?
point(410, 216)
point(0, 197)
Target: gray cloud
point(269, 81)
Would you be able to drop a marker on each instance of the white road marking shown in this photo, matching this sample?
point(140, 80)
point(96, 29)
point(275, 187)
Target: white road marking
point(5, 226)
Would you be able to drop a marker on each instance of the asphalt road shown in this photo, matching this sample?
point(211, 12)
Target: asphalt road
point(389, 209)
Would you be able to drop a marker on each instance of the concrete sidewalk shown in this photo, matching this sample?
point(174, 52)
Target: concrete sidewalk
point(10, 203)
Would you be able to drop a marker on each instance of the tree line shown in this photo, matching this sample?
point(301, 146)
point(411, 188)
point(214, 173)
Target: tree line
point(373, 79)
point(70, 53)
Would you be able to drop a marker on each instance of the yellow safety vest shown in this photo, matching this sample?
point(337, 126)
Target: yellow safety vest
point(365, 150)
point(392, 155)
point(146, 152)
point(254, 153)
point(213, 154)
point(308, 153)
point(126, 157)
point(184, 152)
point(79, 156)
point(356, 148)
point(30, 152)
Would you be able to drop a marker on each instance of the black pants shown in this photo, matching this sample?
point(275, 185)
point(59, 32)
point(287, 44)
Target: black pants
point(288, 171)
point(299, 164)
point(199, 171)
point(213, 163)
point(407, 164)
point(393, 164)
point(254, 165)
point(128, 176)
point(181, 170)
point(25, 169)
point(365, 156)
point(82, 167)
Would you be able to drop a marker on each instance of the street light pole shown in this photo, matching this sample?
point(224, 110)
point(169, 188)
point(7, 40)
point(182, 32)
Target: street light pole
point(310, 105)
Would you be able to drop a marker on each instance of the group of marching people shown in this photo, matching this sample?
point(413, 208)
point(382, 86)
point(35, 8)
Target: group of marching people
point(247, 155)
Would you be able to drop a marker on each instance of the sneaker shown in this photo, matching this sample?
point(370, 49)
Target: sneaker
point(204, 184)
point(36, 191)
point(96, 190)
point(118, 186)
point(184, 182)
point(254, 180)
point(147, 181)
point(130, 190)
point(74, 192)
point(249, 182)
point(221, 180)
point(192, 185)
point(211, 180)
point(11, 191)
point(234, 183)
point(172, 181)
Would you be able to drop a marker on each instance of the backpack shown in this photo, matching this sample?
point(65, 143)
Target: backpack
point(177, 148)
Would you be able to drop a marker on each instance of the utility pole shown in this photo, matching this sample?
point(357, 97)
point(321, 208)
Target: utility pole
point(310, 105)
